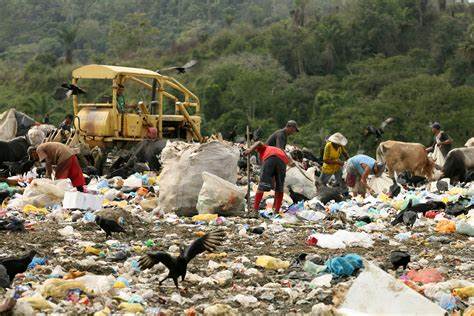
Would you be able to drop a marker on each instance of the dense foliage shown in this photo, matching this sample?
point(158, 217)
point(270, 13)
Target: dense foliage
point(332, 65)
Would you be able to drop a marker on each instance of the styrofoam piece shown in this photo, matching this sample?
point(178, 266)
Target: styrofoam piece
point(82, 201)
point(387, 296)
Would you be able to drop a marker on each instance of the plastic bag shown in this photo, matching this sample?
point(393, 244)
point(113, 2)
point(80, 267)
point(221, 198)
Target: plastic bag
point(388, 296)
point(345, 265)
point(380, 184)
point(218, 196)
point(425, 276)
point(445, 227)
point(271, 263)
point(298, 183)
point(183, 164)
point(42, 193)
point(343, 238)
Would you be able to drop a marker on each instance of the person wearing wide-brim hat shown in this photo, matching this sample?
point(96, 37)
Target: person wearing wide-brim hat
point(332, 166)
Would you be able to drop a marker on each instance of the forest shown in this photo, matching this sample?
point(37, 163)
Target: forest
point(331, 65)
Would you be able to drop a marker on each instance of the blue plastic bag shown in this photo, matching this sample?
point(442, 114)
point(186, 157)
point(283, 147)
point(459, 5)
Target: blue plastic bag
point(344, 266)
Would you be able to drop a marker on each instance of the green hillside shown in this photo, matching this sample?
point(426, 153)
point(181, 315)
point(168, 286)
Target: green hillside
point(330, 65)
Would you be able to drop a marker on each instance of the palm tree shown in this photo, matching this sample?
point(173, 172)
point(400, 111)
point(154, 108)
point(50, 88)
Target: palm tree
point(67, 35)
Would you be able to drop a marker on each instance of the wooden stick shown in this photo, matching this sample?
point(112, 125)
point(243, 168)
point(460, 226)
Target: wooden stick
point(248, 170)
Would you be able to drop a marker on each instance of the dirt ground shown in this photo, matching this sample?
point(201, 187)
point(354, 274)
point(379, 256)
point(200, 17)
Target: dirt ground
point(286, 245)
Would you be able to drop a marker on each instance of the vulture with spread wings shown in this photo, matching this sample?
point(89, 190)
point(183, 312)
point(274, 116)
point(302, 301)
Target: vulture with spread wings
point(177, 266)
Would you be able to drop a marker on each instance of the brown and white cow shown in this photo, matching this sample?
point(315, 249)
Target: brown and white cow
point(400, 157)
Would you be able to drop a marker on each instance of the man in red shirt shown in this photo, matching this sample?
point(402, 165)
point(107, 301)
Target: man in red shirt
point(272, 175)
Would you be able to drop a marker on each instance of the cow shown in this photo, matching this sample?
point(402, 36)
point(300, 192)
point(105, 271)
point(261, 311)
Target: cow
point(459, 163)
point(470, 142)
point(400, 157)
point(147, 151)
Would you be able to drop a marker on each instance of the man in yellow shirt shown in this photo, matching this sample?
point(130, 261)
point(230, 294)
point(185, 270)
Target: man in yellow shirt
point(332, 165)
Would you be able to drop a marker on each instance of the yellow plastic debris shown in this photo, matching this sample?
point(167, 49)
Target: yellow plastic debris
point(121, 204)
point(397, 204)
point(464, 292)
point(271, 263)
point(205, 217)
point(119, 285)
point(104, 312)
point(216, 255)
point(445, 226)
point(384, 197)
point(37, 302)
point(58, 288)
point(92, 250)
point(31, 209)
point(131, 307)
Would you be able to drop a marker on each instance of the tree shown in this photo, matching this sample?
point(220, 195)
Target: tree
point(67, 36)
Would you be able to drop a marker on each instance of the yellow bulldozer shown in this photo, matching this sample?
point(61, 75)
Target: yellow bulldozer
point(168, 107)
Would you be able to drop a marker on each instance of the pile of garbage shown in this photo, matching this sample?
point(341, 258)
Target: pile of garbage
point(410, 254)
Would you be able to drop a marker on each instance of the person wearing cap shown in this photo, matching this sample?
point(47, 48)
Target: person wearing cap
point(332, 164)
point(441, 140)
point(63, 158)
point(273, 172)
point(359, 168)
point(279, 138)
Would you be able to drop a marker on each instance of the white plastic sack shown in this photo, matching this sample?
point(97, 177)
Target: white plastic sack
point(42, 193)
point(380, 184)
point(82, 201)
point(343, 238)
point(438, 158)
point(183, 164)
point(299, 183)
point(218, 196)
point(387, 295)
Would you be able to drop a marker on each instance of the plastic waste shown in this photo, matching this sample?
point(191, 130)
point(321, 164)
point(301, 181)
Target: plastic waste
point(447, 301)
point(343, 238)
point(321, 281)
point(205, 217)
point(92, 250)
point(464, 292)
point(271, 263)
point(445, 227)
point(31, 209)
point(82, 201)
point(133, 181)
point(28, 305)
point(345, 265)
point(131, 307)
point(66, 231)
point(313, 268)
point(387, 295)
point(218, 196)
point(311, 241)
point(429, 275)
point(36, 262)
point(465, 228)
point(310, 215)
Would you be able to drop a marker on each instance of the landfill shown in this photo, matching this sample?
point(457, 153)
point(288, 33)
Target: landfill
point(313, 258)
